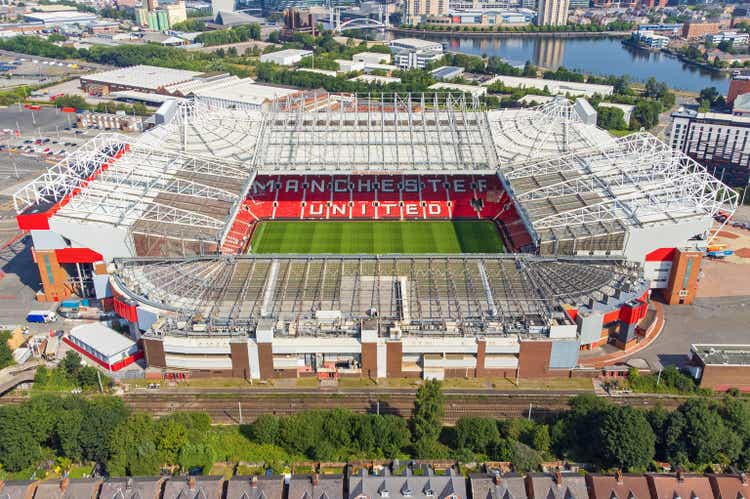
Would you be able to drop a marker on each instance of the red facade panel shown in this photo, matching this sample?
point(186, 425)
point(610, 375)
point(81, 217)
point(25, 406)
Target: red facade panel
point(33, 221)
point(126, 310)
point(78, 255)
point(661, 255)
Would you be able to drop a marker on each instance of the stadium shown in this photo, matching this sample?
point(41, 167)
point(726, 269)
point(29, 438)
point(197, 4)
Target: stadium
point(376, 236)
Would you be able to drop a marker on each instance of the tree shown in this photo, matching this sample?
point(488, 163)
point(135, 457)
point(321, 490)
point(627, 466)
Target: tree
point(427, 416)
point(71, 362)
point(645, 114)
point(18, 447)
point(698, 434)
point(265, 429)
point(626, 439)
point(477, 434)
point(611, 118)
point(6, 356)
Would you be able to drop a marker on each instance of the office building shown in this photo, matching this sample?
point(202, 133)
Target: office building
point(717, 140)
point(412, 53)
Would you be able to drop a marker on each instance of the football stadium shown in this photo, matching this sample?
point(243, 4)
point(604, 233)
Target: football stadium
point(376, 236)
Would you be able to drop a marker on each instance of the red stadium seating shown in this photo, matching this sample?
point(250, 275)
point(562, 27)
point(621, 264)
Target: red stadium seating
point(371, 197)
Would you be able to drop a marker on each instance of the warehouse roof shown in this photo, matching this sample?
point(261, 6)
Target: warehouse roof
point(723, 355)
point(142, 76)
point(104, 340)
point(243, 91)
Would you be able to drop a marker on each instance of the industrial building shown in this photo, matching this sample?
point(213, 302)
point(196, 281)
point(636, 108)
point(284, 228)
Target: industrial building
point(103, 345)
point(161, 224)
point(286, 57)
point(140, 78)
point(721, 367)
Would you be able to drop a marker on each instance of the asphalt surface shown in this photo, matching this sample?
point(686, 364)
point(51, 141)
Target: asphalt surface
point(708, 320)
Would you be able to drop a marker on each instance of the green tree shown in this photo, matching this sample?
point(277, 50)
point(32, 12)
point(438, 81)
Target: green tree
point(697, 433)
point(477, 434)
point(6, 356)
point(427, 416)
point(265, 429)
point(70, 363)
point(626, 439)
point(611, 118)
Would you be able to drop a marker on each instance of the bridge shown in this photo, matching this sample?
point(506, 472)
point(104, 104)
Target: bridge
point(11, 377)
point(358, 22)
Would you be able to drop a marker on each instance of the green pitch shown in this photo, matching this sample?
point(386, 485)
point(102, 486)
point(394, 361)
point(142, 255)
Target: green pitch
point(370, 237)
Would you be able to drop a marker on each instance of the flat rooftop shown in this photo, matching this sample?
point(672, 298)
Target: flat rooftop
point(104, 340)
point(142, 76)
point(723, 355)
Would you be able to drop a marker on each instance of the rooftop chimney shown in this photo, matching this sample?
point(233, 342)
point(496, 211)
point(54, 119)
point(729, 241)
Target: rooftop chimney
point(497, 479)
point(191, 483)
point(618, 476)
point(558, 478)
point(743, 478)
point(254, 481)
point(64, 484)
point(315, 479)
point(680, 477)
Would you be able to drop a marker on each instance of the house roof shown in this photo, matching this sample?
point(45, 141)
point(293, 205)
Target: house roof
point(132, 488)
point(498, 486)
point(195, 487)
point(409, 485)
point(17, 489)
point(68, 489)
point(316, 487)
point(679, 486)
point(618, 486)
point(558, 485)
point(256, 487)
point(730, 486)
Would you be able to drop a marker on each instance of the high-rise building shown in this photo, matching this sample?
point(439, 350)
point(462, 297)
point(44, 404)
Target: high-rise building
point(158, 20)
point(719, 141)
point(415, 11)
point(176, 12)
point(222, 6)
point(552, 12)
point(141, 17)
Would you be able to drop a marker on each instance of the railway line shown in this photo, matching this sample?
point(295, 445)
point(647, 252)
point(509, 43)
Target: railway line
point(234, 406)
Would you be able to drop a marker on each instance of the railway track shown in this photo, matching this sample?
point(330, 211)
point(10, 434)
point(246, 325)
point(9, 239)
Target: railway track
point(235, 407)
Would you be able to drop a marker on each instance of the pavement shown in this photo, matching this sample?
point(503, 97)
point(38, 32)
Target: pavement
point(708, 320)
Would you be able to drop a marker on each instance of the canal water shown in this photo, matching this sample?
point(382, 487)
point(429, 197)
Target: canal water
point(594, 55)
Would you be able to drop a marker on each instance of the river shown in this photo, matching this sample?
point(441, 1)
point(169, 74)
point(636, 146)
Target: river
point(601, 56)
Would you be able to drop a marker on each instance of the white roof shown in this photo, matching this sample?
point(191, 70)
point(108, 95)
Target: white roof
point(625, 107)
point(383, 80)
point(150, 77)
point(104, 340)
point(244, 91)
point(415, 43)
point(469, 89)
point(286, 53)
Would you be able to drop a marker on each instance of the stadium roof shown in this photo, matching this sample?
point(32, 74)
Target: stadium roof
point(591, 197)
point(184, 180)
point(326, 133)
point(422, 292)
